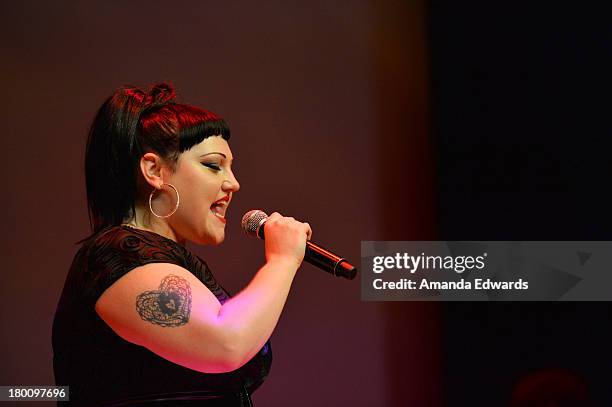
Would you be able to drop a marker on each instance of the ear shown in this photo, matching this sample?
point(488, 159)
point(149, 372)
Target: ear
point(153, 169)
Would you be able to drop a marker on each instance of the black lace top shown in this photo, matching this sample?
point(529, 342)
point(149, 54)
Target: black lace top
point(102, 368)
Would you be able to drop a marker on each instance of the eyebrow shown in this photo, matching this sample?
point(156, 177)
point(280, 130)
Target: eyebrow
point(216, 152)
point(204, 155)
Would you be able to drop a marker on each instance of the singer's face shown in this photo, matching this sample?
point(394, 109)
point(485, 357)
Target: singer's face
point(206, 183)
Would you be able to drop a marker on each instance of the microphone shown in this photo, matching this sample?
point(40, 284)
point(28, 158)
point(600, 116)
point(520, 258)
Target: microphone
point(252, 224)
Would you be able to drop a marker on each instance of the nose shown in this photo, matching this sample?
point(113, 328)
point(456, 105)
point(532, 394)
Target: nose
point(231, 184)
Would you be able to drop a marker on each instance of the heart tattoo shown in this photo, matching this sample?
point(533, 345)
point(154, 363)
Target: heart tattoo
point(169, 306)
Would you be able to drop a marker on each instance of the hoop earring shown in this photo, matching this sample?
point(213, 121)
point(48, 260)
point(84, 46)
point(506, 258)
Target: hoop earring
point(178, 199)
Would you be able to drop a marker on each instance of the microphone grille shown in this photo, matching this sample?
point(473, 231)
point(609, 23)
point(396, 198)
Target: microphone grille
point(252, 220)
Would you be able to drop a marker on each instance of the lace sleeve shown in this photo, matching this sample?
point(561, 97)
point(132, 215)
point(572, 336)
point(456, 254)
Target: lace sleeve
point(115, 253)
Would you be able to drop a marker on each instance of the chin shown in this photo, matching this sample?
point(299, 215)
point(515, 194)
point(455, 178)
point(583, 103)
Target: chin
point(218, 240)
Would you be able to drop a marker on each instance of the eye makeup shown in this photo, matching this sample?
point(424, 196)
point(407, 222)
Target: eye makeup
point(212, 166)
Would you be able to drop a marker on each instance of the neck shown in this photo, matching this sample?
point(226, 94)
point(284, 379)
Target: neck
point(144, 220)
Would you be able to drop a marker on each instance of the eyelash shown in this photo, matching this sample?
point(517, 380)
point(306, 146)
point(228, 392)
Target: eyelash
point(212, 166)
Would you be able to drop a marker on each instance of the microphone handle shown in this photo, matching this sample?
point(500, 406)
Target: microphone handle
point(320, 257)
point(327, 261)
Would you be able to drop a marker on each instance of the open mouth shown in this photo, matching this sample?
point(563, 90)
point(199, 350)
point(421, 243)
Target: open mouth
point(218, 208)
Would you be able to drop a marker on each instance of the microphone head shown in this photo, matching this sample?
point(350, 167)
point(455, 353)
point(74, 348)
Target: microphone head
point(252, 221)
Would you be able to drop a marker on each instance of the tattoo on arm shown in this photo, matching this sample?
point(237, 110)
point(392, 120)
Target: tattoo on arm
point(169, 305)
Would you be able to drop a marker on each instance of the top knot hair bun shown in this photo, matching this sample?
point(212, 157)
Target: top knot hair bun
point(160, 95)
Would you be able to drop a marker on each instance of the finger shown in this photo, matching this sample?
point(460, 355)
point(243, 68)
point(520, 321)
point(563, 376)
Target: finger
point(275, 215)
point(308, 231)
point(286, 220)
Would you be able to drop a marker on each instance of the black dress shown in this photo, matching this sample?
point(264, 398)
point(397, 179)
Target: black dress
point(100, 367)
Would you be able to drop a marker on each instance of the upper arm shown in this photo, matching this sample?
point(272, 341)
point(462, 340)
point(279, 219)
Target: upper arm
point(166, 309)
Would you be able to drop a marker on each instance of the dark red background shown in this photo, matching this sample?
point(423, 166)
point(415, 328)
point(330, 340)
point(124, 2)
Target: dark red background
point(327, 103)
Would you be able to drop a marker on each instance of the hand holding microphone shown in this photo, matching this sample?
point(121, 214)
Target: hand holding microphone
point(289, 239)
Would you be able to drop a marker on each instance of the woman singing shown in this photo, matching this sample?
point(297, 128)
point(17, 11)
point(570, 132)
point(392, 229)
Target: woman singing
point(142, 320)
